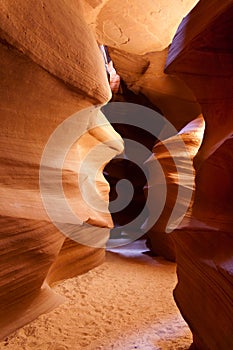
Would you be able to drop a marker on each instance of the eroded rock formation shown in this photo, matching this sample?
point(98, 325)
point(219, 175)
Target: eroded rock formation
point(197, 79)
point(174, 155)
point(204, 244)
point(134, 28)
point(51, 68)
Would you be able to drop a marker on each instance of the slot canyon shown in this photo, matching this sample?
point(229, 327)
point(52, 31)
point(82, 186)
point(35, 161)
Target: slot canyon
point(116, 174)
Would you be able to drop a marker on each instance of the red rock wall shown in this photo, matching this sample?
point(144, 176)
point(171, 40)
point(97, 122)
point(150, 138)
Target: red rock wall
point(204, 245)
point(197, 79)
point(174, 155)
point(50, 68)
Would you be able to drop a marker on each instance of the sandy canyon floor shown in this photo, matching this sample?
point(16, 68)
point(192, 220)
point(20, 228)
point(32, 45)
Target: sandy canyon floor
point(124, 304)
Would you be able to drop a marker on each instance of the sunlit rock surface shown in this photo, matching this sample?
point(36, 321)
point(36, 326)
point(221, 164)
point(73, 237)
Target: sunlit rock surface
point(54, 35)
point(134, 28)
point(50, 69)
point(145, 75)
point(197, 79)
point(175, 156)
point(201, 55)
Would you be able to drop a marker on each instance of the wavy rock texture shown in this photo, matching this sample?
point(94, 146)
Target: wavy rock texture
point(135, 28)
point(204, 244)
point(197, 79)
point(174, 156)
point(55, 36)
point(145, 75)
point(204, 249)
point(50, 69)
point(204, 61)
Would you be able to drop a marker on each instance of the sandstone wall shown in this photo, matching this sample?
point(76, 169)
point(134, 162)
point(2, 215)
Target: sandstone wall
point(204, 245)
point(50, 69)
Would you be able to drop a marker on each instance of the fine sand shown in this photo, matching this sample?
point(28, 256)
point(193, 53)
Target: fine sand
point(124, 304)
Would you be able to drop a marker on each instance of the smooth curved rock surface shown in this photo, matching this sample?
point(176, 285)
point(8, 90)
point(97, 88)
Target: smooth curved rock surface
point(204, 290)
point(134, 28)
point(42, 85)
point(54, 34)
point(201, 55)
point(168, 93)
point(74, 259)
point(197, 79)
point(204, 247)
point(172, 159)
point(51, 67)
point(204, 242)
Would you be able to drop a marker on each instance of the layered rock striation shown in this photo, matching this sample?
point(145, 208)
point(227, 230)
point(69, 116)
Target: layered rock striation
point(51, 68)
point(204, 244)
